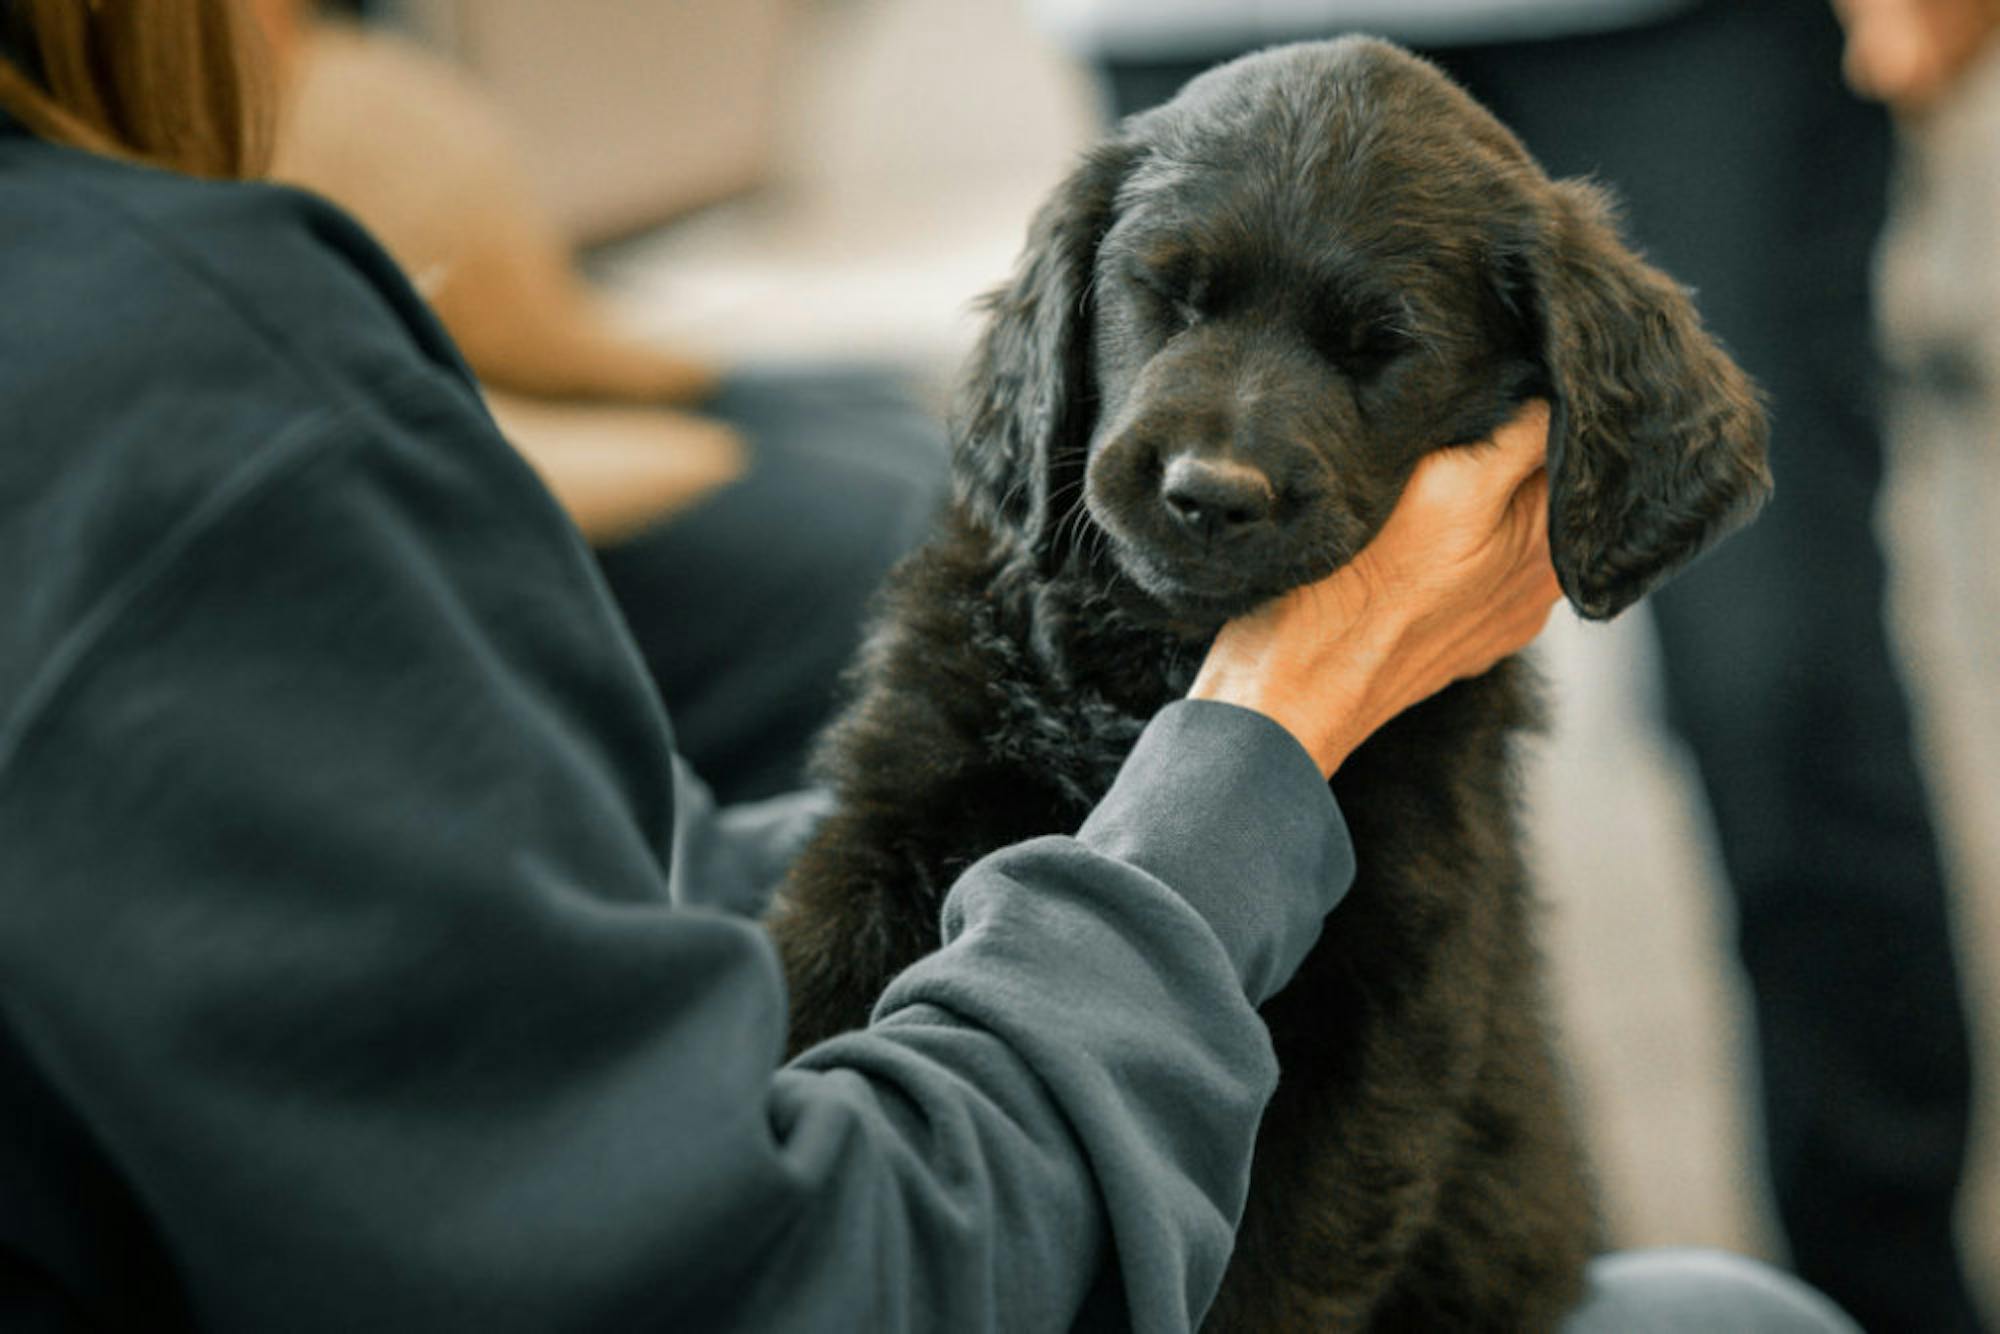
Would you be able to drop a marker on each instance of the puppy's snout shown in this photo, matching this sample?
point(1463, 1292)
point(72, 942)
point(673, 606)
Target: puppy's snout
point(1215, 497)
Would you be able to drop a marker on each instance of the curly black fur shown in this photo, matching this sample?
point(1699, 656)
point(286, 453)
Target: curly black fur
point(1236, 329)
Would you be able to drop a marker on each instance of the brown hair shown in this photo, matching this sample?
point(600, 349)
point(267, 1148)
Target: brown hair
point(177, 83)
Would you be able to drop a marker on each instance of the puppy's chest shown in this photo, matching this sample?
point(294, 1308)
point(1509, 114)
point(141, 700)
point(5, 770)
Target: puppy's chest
point(1069, 689)
point(1065, 737)
point(1444, 777)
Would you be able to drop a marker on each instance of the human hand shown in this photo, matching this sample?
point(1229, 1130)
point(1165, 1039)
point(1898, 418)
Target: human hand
point(1458, 578)
point(1909, 53)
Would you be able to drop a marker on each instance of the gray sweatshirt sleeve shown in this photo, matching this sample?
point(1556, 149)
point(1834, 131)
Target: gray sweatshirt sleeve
point(338, 852)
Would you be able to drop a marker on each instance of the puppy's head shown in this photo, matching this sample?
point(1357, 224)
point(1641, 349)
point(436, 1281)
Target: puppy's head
point(1241, 322)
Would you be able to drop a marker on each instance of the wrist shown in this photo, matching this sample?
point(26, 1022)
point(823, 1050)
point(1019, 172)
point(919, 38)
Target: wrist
point(1332, 696)
point(1363, 671)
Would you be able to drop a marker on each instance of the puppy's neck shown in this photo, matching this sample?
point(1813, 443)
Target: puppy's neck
point(1090, 629)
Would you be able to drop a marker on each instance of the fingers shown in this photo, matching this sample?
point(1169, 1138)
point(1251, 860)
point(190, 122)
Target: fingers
point(1523, 442)
point(1531, 513)
point(1491, 471)
point(1527, 517)
point(1529, 493)
point(1517, 613)
point(1531, 588)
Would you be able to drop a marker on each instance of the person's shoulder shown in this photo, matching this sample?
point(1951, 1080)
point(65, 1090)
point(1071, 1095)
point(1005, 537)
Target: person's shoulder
point(163, 332)
point(170, 346)
point(116, 256)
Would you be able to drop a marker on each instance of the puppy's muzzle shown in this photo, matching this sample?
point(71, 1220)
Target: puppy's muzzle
point(1216, 498)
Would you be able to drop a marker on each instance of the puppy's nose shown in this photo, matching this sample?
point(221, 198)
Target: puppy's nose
point(1215, 496)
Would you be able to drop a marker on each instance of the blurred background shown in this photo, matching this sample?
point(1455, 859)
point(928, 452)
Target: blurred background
point(757, 181)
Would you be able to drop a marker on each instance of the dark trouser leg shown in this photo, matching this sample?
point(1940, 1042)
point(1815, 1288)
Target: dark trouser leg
point(1753, 177)
point(748, 606)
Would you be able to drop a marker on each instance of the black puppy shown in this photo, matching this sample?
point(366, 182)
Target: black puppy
point(1236, 329)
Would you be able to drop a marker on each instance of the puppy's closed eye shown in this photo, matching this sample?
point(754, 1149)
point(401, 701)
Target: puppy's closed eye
point(1179, 289)
point(1360, 344)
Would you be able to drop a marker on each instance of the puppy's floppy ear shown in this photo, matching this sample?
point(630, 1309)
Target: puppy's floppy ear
point(1656, 440)
point(1028, 402)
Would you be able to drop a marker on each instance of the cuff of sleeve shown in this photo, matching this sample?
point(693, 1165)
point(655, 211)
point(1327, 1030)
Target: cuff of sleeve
point(1224, 806)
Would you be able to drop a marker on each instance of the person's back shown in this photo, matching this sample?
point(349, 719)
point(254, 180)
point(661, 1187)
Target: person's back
point(181, 362)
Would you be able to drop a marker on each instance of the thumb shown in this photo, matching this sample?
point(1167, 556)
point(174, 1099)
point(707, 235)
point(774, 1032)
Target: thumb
point(1522, 442)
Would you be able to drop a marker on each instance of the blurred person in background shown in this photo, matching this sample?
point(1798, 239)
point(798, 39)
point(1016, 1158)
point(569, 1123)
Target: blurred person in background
point(1940, 286)
point(1753, 175)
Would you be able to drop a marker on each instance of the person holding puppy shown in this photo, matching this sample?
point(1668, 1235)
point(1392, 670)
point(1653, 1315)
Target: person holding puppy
point(367, 959)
